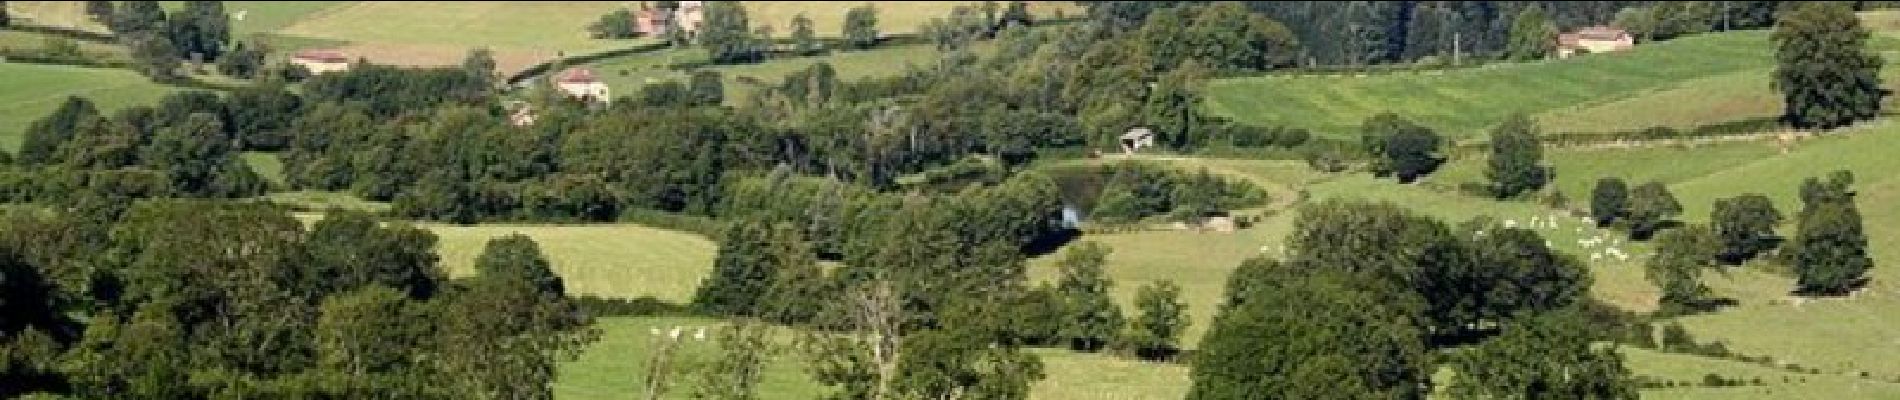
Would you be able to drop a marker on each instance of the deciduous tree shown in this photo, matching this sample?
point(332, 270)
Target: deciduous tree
point(1609, 201)
point(1516, 157)
point(1826, 76)
point(1746, 226)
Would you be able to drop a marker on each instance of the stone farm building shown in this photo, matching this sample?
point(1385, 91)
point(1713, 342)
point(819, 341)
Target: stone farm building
point(581, 83)
point(1593, 39)
point(321, 61)
point(654, 21)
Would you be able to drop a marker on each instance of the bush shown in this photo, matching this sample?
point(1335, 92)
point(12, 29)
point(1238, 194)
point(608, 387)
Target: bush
point(645, 306)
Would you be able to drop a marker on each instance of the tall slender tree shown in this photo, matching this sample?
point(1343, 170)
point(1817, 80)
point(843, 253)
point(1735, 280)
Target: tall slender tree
point(1516, 154)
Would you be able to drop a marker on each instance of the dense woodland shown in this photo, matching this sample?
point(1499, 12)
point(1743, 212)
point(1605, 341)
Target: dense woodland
point(133, 268)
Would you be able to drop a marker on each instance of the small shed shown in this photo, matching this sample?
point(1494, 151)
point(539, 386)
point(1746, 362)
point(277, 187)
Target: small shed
point(1137, 138)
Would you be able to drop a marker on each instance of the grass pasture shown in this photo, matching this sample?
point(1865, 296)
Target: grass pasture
point(1463, 103)
point(61, 14)
point(417, 33)
point(626, 74)
point(31, 91)
point(893, 17)
point(618, 260)
point(616, 366)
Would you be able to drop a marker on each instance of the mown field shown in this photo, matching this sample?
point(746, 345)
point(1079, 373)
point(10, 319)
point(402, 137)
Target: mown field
point(31, 91)
point(431, 33)
point(626, 74)
point(893, 17)
point(1462, 103)
point(613, 260)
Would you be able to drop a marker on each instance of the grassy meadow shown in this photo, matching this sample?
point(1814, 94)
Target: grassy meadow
point(1463, 103)
point(613, 260)
point(415, 33)
point(31, 91)
point(626, 74)
point(893, 17)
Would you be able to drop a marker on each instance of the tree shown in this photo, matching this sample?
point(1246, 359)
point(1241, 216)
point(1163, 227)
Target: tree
point(1413, 152)
point(137, 17)
point(516, 258)
point(1825, 74)
point(727, 34)
point(1156, 333)
point(1549, 356)
point(244, 61)
point(744, 346)
point(708, 88)
point(1533, 36)
point(1651, 205)
point(512, 320)
point(371, 337)
point(804, 39)
point(45, 136)
point(480, 67)
point(157, 58)
point(1309, 334)
point(1092, 318)
point(6, 19)
point(1509, 272)
point(758, 270)
point(1745, 225)
point(99, 10)
point(1516, 154)
point(1676, 268)
point(860, 27)
point(1399, 146)
point(618, 24)
point(1829, 250)
point(1609, 200)
point(200, 30)
point(1016, 14)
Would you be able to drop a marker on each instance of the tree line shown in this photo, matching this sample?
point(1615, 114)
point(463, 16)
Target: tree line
point(198, 299)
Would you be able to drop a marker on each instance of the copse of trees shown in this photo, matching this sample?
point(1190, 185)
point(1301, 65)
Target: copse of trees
point(1400, 147)
point(1532, 36)
point(1365, 289)
point(1826, 76)
point(1090, 318)
point(1549, 356)
point(244, 299)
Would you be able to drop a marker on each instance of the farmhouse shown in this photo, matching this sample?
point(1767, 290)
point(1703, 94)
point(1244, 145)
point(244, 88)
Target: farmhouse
point(321, 61)
point(1594, 39)
point(580, 83)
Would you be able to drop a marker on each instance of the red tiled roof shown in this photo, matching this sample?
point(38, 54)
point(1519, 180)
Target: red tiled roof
point(578, 75)
point(330, 56)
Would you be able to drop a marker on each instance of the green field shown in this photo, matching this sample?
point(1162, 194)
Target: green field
point(618, 260)
point(415, 33)
point(626, 74)
point(616, 367)
point(31, 91)
point(893, 17)
point(65, 14)
point(1463, 103)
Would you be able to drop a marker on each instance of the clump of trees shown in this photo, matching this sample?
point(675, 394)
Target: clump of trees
point(160, 43)
point(247, 302)
point(1399, 147)
point(1643, 210)
point(1132, 191)
point(1387, 282)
